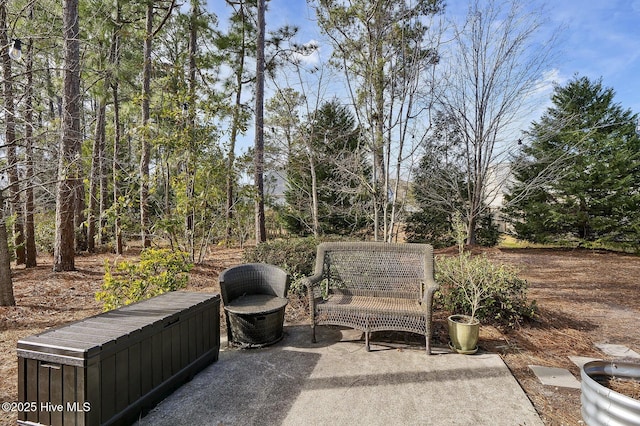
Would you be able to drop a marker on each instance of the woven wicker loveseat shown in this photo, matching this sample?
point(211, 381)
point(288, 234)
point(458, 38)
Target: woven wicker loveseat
point(373, 287)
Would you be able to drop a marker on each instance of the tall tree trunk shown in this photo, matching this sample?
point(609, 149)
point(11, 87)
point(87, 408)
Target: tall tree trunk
point(191, 113)
point(68, 168)
point(96, 173)
point(80, 222)
point(104, 196)
point(10, 139)
point(231, 180)
point(6, 284)
point(30, 233)
point(117, 231)
point(50, 93)
point(378, 86)
point(235, 126)
point(114, 59)
point(145, 149)
point(261, 233)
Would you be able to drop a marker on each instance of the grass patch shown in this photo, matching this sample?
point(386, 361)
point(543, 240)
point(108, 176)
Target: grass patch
point(511, 242)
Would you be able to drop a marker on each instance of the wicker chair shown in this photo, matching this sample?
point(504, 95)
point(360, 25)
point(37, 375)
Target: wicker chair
point(373, 287)
point(254, 297)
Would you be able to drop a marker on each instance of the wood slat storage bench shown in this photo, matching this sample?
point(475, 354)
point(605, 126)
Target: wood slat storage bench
point(373, 287)
point(111, 368)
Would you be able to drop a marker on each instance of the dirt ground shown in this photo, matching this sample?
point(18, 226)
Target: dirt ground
point(584, 297)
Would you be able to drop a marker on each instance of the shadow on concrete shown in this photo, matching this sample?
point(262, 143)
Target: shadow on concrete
point(327, 335)
point(400, 378)
point(244, 387)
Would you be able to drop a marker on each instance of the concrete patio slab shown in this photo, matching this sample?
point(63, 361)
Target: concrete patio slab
point(552, 376)
point(336, 382)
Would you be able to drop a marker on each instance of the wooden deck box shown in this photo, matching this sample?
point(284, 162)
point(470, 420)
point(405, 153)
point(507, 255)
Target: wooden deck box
point(111, 368)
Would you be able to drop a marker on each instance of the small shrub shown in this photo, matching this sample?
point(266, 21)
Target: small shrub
point(297, 256)
point(504, 294)
point(45, 232)
point(9, 222)
point(159, 271)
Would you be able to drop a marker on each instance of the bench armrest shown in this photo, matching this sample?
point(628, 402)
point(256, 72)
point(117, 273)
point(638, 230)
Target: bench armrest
point(312, 284)
point(314, 291)
point(429, 287)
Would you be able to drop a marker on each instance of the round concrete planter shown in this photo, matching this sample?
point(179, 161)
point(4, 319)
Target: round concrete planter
point(604, 406)
point(463, 334)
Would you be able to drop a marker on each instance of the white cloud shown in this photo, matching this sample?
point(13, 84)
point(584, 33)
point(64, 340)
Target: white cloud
point(548, 81)
point(311, 55)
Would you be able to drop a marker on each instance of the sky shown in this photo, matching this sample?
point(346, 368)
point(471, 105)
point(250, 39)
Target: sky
point(601, 38)
point(597, 39)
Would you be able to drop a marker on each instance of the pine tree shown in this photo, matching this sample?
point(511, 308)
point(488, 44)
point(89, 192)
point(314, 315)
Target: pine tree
point(68, 167)
point(585, 157)
point(324, 173)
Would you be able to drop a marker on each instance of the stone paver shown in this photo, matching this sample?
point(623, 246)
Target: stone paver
point(617, 351)
point(553, 376)
point(582, 360)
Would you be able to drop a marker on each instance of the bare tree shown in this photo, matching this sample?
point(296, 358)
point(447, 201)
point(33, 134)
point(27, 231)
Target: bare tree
point(68, 167)
point(496, 64)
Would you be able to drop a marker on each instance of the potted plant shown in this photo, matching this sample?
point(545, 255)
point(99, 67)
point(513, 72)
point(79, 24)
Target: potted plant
point(467, 278)
point(464, 328)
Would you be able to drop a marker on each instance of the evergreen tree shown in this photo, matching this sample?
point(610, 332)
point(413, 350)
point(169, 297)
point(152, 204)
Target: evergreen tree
point(68, 170)
point(331, 138)
point(579, 177)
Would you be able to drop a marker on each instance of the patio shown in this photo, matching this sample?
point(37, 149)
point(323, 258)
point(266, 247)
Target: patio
point(335, 381)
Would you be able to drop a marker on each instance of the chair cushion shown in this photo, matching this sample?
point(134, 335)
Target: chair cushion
point(255, 304)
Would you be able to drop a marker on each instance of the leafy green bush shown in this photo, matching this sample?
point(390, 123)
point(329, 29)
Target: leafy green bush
point(45, 232)
point(159, 271)
point(503, 297)
point(297, 256)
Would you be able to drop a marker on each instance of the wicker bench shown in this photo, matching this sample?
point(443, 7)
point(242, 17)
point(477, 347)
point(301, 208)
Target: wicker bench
point(373, 287)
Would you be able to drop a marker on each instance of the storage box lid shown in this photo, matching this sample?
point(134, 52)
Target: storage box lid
point(74, 343)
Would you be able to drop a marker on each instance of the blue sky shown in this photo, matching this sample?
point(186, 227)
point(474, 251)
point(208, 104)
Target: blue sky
point(599, 38)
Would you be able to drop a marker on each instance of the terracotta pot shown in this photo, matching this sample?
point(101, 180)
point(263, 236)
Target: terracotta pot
point(463, 334)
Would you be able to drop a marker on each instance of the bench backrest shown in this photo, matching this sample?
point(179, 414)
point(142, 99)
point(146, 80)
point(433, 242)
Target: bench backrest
point(375, 269)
